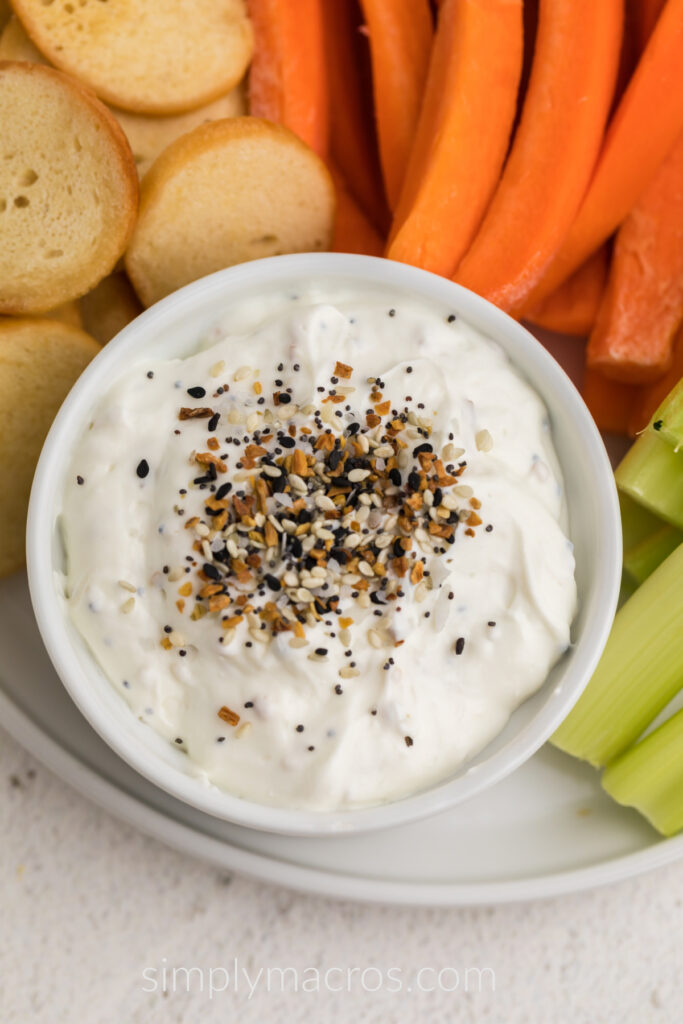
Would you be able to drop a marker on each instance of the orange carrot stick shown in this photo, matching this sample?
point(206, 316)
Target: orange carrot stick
point(353, 145)
point(554, 152)
point(400, 35)
point(463, 132)
point(644, 17)
point(353, 232)
point(573, 307)
point(644, 128)
point(610, 402)
point(652, 396)
point(287, 81)
point(643, 304)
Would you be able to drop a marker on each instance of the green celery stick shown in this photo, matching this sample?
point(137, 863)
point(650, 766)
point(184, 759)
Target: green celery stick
point(649, 776)
point(640, 671)
point(641, 560)
point(651, 473)
point(637, 522)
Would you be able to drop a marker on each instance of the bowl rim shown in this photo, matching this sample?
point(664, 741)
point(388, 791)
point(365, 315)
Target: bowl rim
point(193, 790)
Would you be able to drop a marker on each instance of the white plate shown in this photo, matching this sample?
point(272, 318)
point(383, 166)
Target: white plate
point(546, 830)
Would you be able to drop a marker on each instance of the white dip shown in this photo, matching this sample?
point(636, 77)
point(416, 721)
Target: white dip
point(368, 675)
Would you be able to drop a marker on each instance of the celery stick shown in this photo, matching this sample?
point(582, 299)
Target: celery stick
point(649, 776)
point(641, 560)
point(637, 522)
point(652, 471)
point(640, 671)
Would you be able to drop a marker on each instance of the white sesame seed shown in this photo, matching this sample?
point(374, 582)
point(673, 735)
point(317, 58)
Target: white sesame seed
point(290, 579)
point(252, 424)
point(286, 412)
point(363, 599)
point(242, 730)
point(319, 570)
point(420, 592)
point(304, 595)
point(289, 526)
point(296, 482)
point(375, 638)
point(364, 499)
point(345, 637)
point(365, 568)
point(448, 501)
point(363, 443)
point(228, 637)
point(128, 605)
point(272, 471)
point(242, 373)
point(325, 503)
point(273, 522)
point(483, 441)
point(232, 547)
point(298, 641)
point(176, 638)
point(428, 498)
point(235, 415)
point(176, 574)
point(128, 586)
point(313, 656)
point(202, 530)
point(384, 451)
point(463, 490)
point(356, 475)
point(348, 673)
point(217, 368)
point(262, 636)
point(353, 540)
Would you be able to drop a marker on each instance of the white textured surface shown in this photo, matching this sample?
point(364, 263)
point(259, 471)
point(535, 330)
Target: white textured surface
point(87, 904)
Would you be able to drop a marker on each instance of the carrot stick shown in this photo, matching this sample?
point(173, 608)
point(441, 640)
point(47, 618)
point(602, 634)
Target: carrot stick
point(463, 132)
point(554, 152)
point(644, 16)
point(353, 232)
point(644, 128)
point(353, 146)
point(400, 35)
point(287, 81)
point(573, 307)
point(652, 396)
point(643, 304)
point(610, 402)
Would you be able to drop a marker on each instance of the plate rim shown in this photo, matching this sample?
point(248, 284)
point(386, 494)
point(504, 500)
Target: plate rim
point(183, 838)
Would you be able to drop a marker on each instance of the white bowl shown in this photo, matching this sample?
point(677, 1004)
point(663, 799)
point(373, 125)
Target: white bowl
point(172, 328)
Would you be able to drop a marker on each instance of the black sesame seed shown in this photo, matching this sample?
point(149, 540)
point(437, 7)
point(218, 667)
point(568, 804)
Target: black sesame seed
point(409, 369)
point(285, 399)
point(451, 318)
point(142, 468)
point(299, 728)
point(322, 651)
point(489, 528)
point(658, 424)
point(150, 374)
point(178, 739)
point(213, 422)
point(491, 623)
point(311, 748)
point(220, 739)
point(338, 690)
point(168, 629)
point(409, 740)
point(392, 312)
point(273, 582)
point(286, 442)
point(460, 645)
point(182, 653)
point(197, 392)
point(80, 480)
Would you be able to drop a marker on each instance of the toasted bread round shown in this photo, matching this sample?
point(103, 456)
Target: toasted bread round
point(109, 307)
point(148, 136)
point(16, 45)
point(68, 189)
point(39, 361)
point(150, 56)
point(228, 192)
